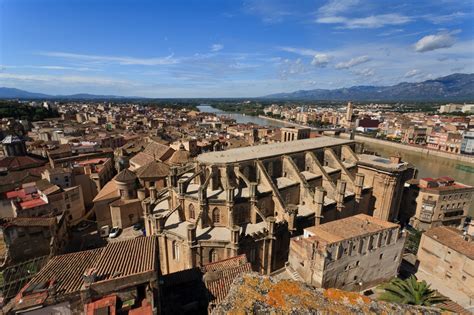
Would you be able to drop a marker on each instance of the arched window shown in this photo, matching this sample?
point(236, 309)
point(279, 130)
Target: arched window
point(216, 215)
point(213, 255)
point(192, 213)
point(175, 250)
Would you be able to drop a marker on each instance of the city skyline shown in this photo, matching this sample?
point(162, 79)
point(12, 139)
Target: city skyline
point(231, 48)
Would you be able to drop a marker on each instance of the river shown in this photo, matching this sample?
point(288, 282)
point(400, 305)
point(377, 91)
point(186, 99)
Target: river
point(431, 166)
point(242, 119)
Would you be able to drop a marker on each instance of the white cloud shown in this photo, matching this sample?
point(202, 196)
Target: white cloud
point(439, 19)
point(373, 21)
point(412, 73)
point(321, 60)
point(433, 42)
point(217, 47)
point(353, 62)
point(337, 6)
point(115, 59)
point(367, 72)
point(299, 51)
point(68, 79)
point(49, 67)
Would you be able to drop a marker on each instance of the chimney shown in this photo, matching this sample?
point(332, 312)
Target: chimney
point(89, 276)
point(396, 159)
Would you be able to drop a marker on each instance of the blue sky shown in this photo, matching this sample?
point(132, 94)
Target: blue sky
point(229, 48)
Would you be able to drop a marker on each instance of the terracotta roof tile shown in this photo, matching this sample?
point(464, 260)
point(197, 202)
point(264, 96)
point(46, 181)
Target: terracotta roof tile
point(452, 238)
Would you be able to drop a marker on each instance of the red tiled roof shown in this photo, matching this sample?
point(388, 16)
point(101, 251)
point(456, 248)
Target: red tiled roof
point(32, 203)
point(20, 162)
point(220, 275)
point(25, 221)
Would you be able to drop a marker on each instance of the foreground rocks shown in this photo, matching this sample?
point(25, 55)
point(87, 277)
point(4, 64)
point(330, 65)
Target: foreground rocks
point(252, 293)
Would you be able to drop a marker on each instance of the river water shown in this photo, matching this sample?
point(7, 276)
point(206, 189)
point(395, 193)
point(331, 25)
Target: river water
point(431, 166)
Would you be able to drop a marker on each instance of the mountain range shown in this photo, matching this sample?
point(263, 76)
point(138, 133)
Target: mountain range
point(454, 87)
point(12, 93)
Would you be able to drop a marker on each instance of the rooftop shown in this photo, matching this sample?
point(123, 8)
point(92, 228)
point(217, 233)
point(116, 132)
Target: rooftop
point(347, 228)
point(269, 150)
point(453, 239)
point(111, 262)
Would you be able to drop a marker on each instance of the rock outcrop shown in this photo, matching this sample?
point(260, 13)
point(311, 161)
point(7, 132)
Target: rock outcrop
point(255, 294)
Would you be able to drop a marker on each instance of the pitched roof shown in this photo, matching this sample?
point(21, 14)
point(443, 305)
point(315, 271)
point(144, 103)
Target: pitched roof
point(452, 238)
point(180, 157)
point(115, 260)
point(11, 139)
point(125, 175)
point(141, 159)
point(109, 191)
point(46, 187)
point(219, 275)
point(354, 226)
point(153, 169)
point(158, 150)
point(20, 162)
point(25, 222)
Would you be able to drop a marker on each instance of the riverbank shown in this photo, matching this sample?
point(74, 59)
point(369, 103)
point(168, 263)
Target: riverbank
point(423, 151)
point(282, 121)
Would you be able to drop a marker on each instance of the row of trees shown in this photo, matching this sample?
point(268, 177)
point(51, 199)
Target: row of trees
point(22, 111)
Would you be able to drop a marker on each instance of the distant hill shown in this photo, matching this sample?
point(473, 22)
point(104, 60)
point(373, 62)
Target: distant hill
point(12, 93)
point(453, 87)
point(16, 93)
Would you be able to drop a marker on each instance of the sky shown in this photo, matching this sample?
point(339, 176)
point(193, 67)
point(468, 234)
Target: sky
point(229, 48)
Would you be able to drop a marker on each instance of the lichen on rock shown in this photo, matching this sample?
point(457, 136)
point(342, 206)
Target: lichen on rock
point(255, 294)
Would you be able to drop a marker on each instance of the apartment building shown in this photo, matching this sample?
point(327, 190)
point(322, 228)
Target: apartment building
point(434, 202)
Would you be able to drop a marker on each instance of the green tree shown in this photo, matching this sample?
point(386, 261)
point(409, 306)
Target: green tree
point(410, 291)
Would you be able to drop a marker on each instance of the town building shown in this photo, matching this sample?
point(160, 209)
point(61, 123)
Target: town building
point(467, 143)
point(446, 261)
point(433, 202)
point(25, 238)
point(118, 204)
point(251, 200)
point(353, 254)
point(294, 133)
point(120, 278)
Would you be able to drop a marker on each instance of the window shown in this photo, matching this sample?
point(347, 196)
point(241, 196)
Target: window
point(216, 215)
point(175, 250)
point(381, 256)
point(192, 213)
point(68, 206)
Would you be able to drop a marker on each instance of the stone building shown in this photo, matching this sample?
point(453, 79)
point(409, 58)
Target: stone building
point(251, 200)
point(353, 254)
point(118, 204)
point(13, 146)
point(434, 202)
point(27, 238)
point(294, 133)
point(387, 177)
point(446, 257)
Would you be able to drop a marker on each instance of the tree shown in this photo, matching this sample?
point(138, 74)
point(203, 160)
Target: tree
point(410, 291)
